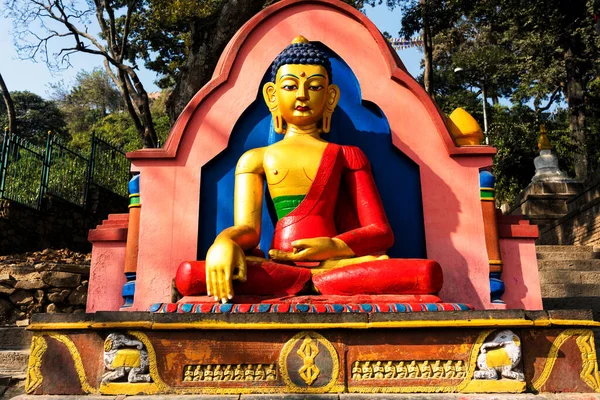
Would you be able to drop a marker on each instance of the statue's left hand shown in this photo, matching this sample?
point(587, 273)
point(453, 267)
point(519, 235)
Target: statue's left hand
point(314, 249)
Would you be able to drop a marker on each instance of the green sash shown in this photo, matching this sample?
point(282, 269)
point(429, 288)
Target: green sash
point(286, 204)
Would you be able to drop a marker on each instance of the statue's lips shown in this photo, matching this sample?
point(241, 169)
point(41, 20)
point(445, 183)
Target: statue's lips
point(301, 108)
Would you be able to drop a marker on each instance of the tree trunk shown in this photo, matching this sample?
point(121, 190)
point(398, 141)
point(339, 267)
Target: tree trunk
point(427, 49)
point(10, 107)
point(575, 91)
point(208, 40)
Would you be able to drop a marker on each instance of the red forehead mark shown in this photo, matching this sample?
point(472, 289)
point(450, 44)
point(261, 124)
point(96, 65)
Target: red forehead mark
point(303, 74)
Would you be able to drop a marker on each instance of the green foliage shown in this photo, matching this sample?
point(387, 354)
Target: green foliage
point(24, 174)
point(515, 134)
point(92, 97)
point(160, 34)
point(35, 117)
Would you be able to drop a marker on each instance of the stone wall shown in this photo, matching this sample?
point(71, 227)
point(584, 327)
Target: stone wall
point(51, 281)
point(58, 225)
point(581, 225)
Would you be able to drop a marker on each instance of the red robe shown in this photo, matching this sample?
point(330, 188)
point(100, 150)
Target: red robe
point(343, 188)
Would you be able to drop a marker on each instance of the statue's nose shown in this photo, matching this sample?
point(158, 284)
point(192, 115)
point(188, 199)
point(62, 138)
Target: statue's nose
point(301, 93)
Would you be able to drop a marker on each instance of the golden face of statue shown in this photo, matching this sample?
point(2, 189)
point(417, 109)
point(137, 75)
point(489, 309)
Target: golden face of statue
point(301, 92)
point(301, 96)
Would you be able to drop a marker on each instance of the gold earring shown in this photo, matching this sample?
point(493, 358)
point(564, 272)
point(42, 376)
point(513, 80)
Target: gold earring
point(271, 100)
point(277, 120)
point(332, 101)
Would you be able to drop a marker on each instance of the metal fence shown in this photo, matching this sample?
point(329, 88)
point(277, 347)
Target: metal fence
point(29, 172)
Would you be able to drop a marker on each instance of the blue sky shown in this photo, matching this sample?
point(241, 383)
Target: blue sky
point(35, 77)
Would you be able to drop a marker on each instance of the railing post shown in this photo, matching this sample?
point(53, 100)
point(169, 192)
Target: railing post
point(45, 169)
point(3, 159)
point(90, 170)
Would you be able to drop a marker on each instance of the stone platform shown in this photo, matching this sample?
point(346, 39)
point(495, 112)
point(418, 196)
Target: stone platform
point(333, 355)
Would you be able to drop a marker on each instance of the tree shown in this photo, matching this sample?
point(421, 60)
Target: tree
point(66, 24)
point(529, 51)
point(92, 97)
point(9, 106)
point(34, 117)
point(183, 40)
point(430, 18)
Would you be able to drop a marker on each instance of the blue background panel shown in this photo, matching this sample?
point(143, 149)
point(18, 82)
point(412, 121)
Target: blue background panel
point(355, 122)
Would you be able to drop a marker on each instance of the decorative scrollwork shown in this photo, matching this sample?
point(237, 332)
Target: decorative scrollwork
point(229, 372)
point(412, 369)
point(34, 368)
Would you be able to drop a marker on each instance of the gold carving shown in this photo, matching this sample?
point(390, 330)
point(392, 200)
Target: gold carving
point(332, 386)
point(34, 368)
point(309, 372)
point(423, 369)
point(589, 368)
point(229, 372)
point(457, 374)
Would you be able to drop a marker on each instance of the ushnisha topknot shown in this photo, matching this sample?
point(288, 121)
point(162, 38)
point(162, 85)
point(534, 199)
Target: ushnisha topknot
point(302, 52)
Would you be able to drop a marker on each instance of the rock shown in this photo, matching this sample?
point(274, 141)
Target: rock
point(37, 308)
point(30, 282)
point(6, 309)
point(51, 309)
point(21, 298)
point(61, 279)
point(77, 298)
point(79, 311)
point(7, 279)
point(83, 269)
point(39, 295)
point(55, 298)
point(23, 322)
point(81, 289)
point(4, 289)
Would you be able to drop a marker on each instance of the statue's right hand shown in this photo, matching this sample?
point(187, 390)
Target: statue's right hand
point(225, 261)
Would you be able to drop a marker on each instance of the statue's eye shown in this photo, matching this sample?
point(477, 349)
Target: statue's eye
point(315, 88)
point(290, 87)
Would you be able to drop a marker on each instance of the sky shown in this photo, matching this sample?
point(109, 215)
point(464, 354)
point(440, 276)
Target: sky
point(28, 75)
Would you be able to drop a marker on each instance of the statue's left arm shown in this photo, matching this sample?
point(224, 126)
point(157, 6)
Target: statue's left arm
point(374, 234)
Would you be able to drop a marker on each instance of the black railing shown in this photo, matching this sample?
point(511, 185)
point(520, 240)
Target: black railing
point(29, 172)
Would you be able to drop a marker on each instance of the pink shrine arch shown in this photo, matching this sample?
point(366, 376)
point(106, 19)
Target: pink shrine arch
point(449, 175)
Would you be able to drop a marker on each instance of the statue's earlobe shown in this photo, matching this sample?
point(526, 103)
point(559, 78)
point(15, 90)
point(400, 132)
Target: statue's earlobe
point(333, 96)
point(271, 100)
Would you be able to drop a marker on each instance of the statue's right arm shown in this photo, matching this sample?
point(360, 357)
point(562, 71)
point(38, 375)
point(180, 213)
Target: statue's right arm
point(225, 260)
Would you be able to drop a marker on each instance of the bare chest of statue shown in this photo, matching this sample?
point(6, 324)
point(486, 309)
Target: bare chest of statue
point(291, 166)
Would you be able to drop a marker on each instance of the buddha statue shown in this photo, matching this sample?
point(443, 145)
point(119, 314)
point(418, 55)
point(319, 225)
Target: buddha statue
point(332, 232)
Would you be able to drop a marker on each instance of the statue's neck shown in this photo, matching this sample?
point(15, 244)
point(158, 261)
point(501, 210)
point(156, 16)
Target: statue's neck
point(295, 131)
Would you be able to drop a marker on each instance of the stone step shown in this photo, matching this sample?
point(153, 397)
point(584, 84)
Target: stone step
point(13, 362)
point(563, 249)
point(569, 277)
point(555, 290)
point(573, 303)
point(573, 265)
point(567, 255)
point(14, 338)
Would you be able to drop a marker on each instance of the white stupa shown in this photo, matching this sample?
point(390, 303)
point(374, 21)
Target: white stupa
point(546, 164)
